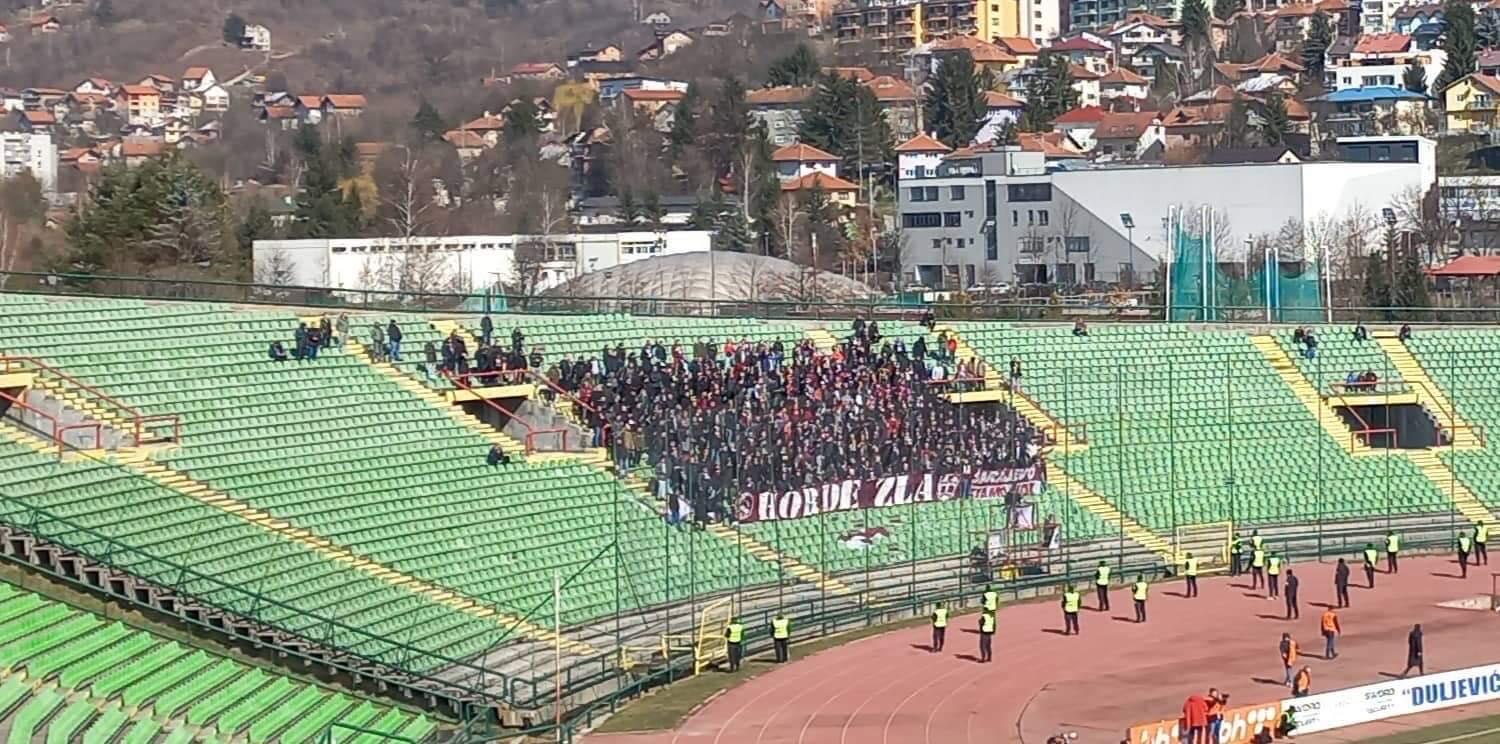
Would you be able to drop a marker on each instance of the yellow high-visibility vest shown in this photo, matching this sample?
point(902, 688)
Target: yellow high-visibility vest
point(735, 632)
point(1258, 559)
point(987, 623)
point(1071, 601)
point(1464, 543)
point(1256, 541)
point(1370, 556)
point(992, 600)
point(1482, 534)
point(781, 628)
point(1392, 543)
point(940, 618)
point(1192, 567)
point(1274, 568)
point(1140, 591)
point(1101, 576)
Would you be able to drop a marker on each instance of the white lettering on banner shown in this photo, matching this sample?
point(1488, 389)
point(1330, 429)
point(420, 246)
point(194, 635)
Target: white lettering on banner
point(893, 490)
point(1356, 705)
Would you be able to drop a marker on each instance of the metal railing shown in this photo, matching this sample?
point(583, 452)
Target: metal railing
point(137, 424)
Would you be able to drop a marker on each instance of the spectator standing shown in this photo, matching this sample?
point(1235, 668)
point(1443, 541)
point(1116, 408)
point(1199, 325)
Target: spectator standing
point(325, 332)
point(486, 329)
point(1329, 624)
point(314, 342)
point(1341, 582)
point(393, 337)
point(1414, 651)
point(299, 342)
point(430, 358)
point(378, 351)
point(341, 328)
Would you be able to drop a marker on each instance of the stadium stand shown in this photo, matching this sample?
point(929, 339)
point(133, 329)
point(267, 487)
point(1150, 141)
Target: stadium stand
point(1460, 370)
point(71, 676)
point(1338, 355)
point(1181, 425)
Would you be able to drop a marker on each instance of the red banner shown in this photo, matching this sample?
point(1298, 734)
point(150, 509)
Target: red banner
point(894, 490)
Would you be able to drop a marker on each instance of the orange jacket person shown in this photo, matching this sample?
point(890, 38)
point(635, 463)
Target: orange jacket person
point(1288, 656)
point(1331, 631)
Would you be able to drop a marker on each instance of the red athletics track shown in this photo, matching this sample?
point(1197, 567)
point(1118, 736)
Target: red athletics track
point(889, 689)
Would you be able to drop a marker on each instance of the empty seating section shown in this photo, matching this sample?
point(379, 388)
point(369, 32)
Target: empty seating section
point(575, 337)
point(53, 689)
point(1338, 355)
point(1465, 366)
point(165, 531)
point(297, 441)
point(1188, 426)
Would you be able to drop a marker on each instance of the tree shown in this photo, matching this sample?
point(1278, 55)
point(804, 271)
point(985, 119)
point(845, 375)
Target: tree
point(1197, 41)
point(1487, 32)
point(234, 29)
point(652, 210)
point(722, 130)
point(626, 210)
point(684, 121)
point(844, 118)
point(1165, 85)
point(1414, 78)
point(1315, 47)
point(1049, 93)
point(256, 225)
point(427, 123)
point(523, 122)
point(955, 105)
point(1274, 122)
point(1409, 280)
point(324, 208)
point(406, 194)
point(1459, 43)
point(800, 67)
point(189, 225)
point(733, 232)
point(1223, 9)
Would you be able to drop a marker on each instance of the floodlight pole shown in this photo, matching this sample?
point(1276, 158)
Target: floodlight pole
point(1171, 235)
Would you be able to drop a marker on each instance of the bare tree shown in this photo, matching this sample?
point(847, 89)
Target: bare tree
point(277, 270)
point(1417, 214)
point(406, 204)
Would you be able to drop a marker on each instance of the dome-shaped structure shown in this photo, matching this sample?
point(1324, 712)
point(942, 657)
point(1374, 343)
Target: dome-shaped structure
point(733, 277)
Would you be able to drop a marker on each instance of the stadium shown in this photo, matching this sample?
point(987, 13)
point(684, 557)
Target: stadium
point(236, 513)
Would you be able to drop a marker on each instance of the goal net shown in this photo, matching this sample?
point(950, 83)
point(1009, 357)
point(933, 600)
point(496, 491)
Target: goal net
point(1208, 542)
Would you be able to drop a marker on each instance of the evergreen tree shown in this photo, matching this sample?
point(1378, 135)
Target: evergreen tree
point(162, 214)
point(684, 121)
point(723, 127)
point(234, 29)
point(955, 108)
point(256, 225)
point(1223, 9)
point(1315, 47)
point(1459, 43)
point(1007, 134)
point(798, 68)
point(1376, 291)
point(1487, 32)
point(733, 232)
point(1414, 78)
point(1237, 129)
point(844, 118)
point(626, 210)
point(1409, 282)
point(652, 210)
point(323, 208)
point(428, 123)
point(1049, 93)
point(1274, 122)
point(1165, 85)
point(706, 211)
point(1195, 21)
point(523, 121)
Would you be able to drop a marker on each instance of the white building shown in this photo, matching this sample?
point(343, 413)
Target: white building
point(23, 151)
point(460, 263)
point(1006, 216)
point(256, 37)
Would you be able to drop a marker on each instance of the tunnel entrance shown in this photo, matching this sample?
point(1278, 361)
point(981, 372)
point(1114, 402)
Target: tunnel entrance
point(1393, 426)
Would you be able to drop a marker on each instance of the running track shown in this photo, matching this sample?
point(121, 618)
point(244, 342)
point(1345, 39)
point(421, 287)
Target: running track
point(889, 689)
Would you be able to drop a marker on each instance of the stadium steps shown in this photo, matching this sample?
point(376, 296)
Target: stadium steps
point(509, 444)
point(788, 564)
point(449, 326)
point(1429, 395)
point(963, 352)
point(822, 340)
point(453, 600)
point(1308, 396)
point(1071, 441)
point(1443, 478)
point(1100, 507)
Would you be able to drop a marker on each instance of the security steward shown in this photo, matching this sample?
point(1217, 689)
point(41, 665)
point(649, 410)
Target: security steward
point(1138, 593)
point(1293, 612)
point(990, 601)
point(1072, 601)
point(1392, 547)
point(1257, 567)
point(1273, 575)
point(1235, 565)
point(1465, 544)
point(986, 636)
point(1190, 570)
point(1481, 536)
point(734, 633)
point(1370, 557)
point(781, 636)
point(1101, 585)
point(939, 627)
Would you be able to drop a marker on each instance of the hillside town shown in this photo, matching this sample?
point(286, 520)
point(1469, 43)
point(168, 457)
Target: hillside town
point(947, 145)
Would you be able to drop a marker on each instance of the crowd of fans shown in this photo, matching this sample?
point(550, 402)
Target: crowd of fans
point(715, 420)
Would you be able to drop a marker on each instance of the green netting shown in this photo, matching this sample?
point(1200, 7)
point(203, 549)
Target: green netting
point(1205, 287)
